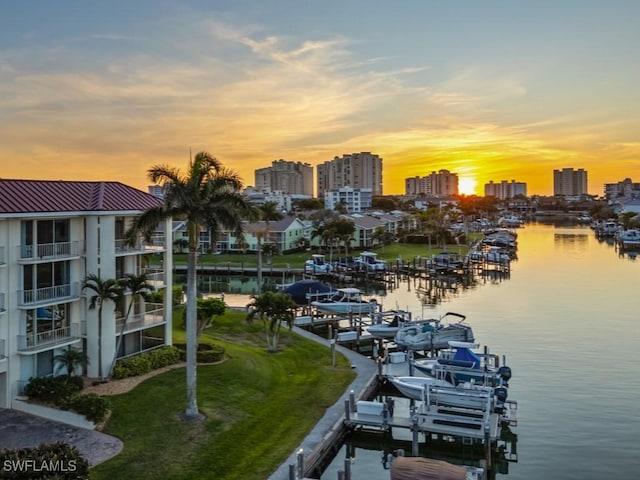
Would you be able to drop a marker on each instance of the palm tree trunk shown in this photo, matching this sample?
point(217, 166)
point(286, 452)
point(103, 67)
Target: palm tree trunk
point(191, 326)
point(100, 375)
point(119, 342)
point(259, 269)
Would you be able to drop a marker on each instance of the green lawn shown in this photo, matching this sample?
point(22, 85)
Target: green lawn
point(259, 407)
point(297, 259)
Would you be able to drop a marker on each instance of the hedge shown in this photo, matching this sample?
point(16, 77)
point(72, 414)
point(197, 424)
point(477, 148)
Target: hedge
point(146, 362)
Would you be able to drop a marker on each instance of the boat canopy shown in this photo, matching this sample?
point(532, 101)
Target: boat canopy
point(466, 355)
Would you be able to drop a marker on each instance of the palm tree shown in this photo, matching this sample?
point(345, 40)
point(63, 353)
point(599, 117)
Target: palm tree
point(273, 308)
point(139, 287)
point(208, 195)
point(268, 213)
point(103, 290)
point(70, 359)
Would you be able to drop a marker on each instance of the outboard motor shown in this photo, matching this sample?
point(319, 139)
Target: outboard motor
point(505, 373)
point(501, 394)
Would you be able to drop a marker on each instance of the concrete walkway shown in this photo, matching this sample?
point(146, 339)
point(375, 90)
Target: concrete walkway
point(22, 430)
point(366, 372)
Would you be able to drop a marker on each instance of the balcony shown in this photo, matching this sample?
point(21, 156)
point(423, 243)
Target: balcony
point(38, 342)
point(155, 277)
point(39, 296)
point(154, 315)
point(3, 352)
point(3, 258)
point(2, 304)
point(49, 251)
point(156, 245)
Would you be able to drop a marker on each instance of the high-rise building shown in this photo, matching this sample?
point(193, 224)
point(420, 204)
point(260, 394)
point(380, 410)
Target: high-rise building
point(505, 189)
point(286, 176)
point(440, 184)
point(570, 182)
point(356, 170)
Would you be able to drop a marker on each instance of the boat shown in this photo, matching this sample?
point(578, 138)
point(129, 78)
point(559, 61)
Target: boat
point(459, 364)
point(382, 327)
point(317, 264)
point(420, 468)
point(368, 261)
point(298, 290)
point(446, 262)
point(433, 334)
point(490, 255)
point(343, 302)
point(629, 238)
point(439, 392)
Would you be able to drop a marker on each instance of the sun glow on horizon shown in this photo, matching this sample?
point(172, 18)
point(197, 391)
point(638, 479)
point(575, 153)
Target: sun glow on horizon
point(467, 185)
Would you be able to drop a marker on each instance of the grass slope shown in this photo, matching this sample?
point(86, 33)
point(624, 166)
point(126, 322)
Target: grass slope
point(259, 406)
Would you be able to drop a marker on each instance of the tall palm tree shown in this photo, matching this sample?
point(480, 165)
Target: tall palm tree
point(139, 287)
point(268, 213)
point(207, 195)
point(103, 290)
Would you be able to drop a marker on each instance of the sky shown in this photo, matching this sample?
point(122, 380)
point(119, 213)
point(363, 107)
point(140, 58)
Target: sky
point(490, 90)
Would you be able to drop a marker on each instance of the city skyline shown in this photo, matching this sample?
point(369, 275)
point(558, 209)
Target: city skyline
point(491, 90)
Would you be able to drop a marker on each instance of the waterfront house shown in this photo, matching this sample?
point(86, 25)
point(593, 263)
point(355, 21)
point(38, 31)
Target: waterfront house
point(52, 235)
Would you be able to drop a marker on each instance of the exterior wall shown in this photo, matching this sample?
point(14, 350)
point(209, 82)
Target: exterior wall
point(570, 182)
point(27, 347)
point(357, 170)
point(354, 199)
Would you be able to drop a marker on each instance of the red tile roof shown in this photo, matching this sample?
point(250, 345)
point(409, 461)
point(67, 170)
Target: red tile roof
point(39, 196)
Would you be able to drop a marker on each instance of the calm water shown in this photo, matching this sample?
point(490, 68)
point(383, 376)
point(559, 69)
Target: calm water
point(567, 320)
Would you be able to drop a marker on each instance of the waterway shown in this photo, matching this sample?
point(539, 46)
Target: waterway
point(566, 317)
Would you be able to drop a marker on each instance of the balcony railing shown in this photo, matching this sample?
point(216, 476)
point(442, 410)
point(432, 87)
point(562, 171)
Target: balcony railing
point(155, 245)
point(50, 251)
point(154, 315)
point(3, 352)
point(48, 294)
point(3, 259)
point(48, 338)
point(155, 277)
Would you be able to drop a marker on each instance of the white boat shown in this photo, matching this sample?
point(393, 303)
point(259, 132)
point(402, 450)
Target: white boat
point(459, 364)
point(433, 334)
point(629, 238)
point(317, 264)
point(435, 391)
point(344, 301)
point(446, 262)
point(491, 255)
point(368, 261)
point(385, 327)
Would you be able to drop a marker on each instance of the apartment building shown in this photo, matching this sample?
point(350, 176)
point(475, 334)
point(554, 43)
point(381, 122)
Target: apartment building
point(356, 170)
point(53, 234)
point(505, 190)
point(285, 176)
point(570, 182)
point(442, 183)
point(352, 199)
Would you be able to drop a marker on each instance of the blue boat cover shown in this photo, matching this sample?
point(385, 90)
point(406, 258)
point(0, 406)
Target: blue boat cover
point(299, 290)
point(466, 355)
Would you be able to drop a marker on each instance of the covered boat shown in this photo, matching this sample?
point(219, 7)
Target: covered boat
point(419, 468)
point(301, 290)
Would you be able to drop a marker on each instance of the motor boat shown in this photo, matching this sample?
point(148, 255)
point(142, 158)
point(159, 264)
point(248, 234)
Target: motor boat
point(298, 290)
point(368, 261)
point(459, 364)
point(343, 302)
point(383, 327)
point(439, 392)
point(433, 334)
point(317, 264)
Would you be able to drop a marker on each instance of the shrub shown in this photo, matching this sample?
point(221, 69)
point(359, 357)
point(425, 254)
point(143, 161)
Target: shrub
point(92, 406)
point(63, 460)
point(53, 389)
point(145, 362)
point(206, 352)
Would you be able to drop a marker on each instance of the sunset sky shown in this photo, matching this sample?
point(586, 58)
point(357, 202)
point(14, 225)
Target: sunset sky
point(490, 90)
